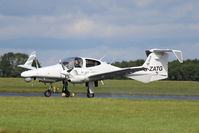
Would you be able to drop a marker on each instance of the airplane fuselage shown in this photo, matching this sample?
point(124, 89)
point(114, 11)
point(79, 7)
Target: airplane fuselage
point(78, 74)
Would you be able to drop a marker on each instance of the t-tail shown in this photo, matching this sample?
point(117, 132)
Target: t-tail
point(29, 62)
point(156, 65)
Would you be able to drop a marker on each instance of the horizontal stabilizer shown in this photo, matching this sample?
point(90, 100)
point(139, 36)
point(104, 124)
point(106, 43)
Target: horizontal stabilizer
point(177, 53)
point(27, 67)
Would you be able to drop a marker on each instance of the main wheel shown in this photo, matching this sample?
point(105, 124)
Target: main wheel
point(47, 93)
point(67, 94)
point(90, 95)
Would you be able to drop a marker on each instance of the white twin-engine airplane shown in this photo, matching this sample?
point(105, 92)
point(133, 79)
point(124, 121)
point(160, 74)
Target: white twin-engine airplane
point(89, 71)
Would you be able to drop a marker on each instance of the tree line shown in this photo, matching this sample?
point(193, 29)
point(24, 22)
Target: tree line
point(188, 71)
point(9, 64)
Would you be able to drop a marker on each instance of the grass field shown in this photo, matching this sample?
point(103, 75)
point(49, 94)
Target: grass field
point(98, 115)
point(132, 87)
point(82, 115)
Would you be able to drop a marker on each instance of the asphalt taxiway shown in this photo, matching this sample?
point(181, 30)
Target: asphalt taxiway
point(107, 96)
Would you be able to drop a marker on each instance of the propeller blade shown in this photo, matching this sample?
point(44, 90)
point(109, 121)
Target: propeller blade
point(102, 82)
point(65, 73)
point(33, 83)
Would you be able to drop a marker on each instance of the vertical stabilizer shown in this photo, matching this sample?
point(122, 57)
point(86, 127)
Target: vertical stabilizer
point(28, 63)
point(156, 65)
point(31, 58)
point(178, 55)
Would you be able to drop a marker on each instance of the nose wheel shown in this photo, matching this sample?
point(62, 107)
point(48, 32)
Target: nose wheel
point(47, 93)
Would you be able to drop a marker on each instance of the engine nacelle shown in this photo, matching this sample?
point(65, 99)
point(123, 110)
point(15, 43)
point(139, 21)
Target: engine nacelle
point(79, 79)
point(27, 80)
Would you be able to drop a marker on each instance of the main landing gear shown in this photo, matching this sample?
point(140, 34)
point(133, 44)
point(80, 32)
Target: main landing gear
point(65, 91)
point(90, 89)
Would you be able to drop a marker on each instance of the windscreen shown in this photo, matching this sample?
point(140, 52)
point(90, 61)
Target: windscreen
point(72, 62)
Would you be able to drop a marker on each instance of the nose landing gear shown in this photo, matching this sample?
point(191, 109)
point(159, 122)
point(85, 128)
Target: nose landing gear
point(47, 93)
point(50, 90)
point(65, 91)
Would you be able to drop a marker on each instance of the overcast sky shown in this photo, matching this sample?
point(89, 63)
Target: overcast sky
point(117, 29)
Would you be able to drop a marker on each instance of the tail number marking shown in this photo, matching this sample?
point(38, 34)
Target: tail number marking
point(155, 68)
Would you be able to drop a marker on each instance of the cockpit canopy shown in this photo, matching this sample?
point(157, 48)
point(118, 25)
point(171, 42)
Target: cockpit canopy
point(72, 62)
point(77, 62)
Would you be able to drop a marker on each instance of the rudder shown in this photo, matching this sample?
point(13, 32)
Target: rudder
point(156, 66)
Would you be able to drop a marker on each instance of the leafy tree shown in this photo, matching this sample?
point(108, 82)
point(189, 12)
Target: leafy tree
point(129, 63)
point(189, 70)
point(9, 64)
point(186, 71)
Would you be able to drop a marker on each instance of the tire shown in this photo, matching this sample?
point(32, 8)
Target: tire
point(67, 93)
point(47, 93)
point(90, 95)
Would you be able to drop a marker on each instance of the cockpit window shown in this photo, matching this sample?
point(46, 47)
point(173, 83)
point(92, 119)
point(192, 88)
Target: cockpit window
point(78, 62)
point(91, 63)
point(70, 63)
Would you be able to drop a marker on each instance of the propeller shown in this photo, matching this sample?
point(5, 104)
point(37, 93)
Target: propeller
point(66, 72)
point(102, 82)
point(60, 62)
point(33, 83)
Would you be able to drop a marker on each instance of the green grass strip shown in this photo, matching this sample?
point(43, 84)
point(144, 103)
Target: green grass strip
point(98, 115)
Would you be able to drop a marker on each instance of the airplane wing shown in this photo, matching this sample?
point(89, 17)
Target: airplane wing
point(112, 74)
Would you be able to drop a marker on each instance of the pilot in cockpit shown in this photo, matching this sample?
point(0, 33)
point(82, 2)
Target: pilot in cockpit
point(78, 62)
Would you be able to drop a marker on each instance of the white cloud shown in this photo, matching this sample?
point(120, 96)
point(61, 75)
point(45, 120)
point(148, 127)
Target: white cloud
point(63, 27)
point(107, 19)
point(135, 21)
point(81, 28)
